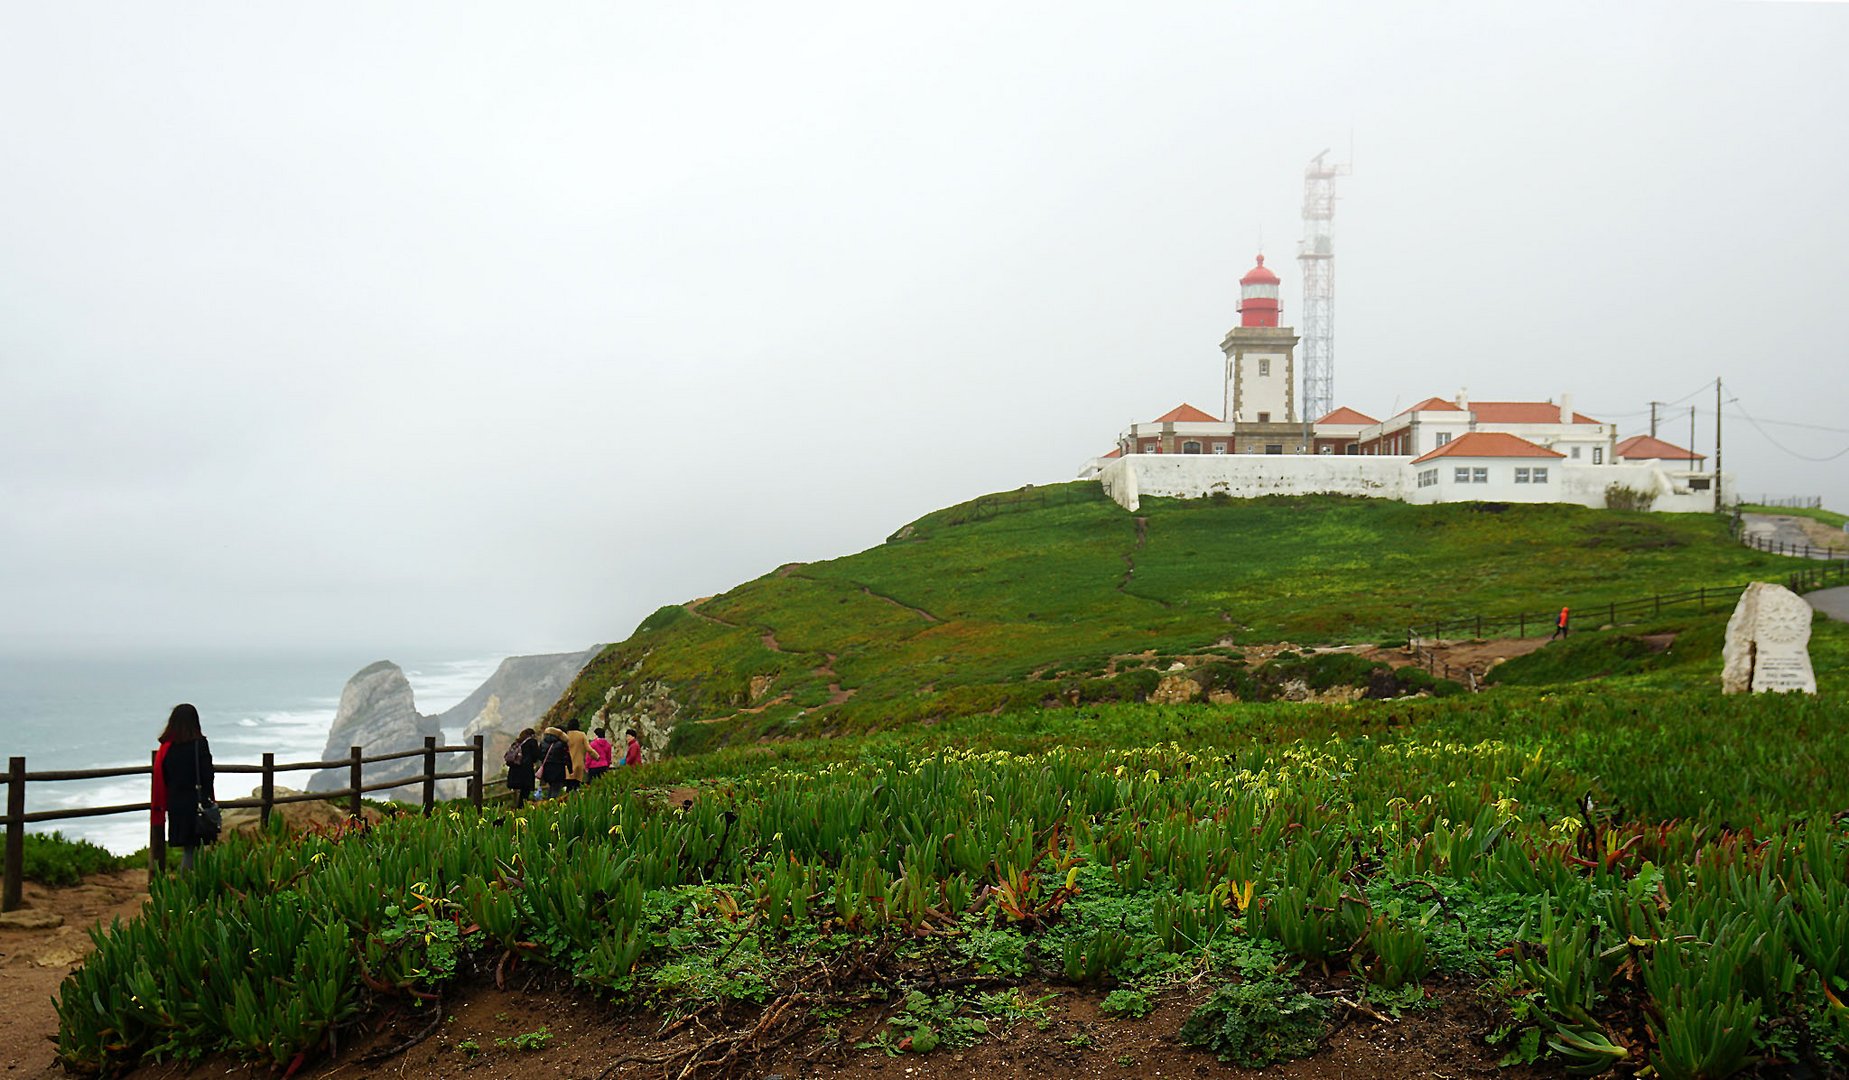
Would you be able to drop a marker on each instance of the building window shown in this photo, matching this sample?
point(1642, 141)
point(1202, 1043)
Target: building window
point(1460, 476)
point(1521, 475)
point(1575, 451)
point(1354, 448)
point(1698, 483)
point(1274, 448)
point(1149, 448)
point(1264, 365)
point(1479, 476)
point(1190, 447)
point(1428, 478)
point(1325, 449)
point(1444, 437)
point(1219, 448)
point(1598, 455)
point(1540, 475)
point(1264, 418)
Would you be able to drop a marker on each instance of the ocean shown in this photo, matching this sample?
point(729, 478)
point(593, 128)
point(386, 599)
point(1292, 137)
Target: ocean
point(105, 711)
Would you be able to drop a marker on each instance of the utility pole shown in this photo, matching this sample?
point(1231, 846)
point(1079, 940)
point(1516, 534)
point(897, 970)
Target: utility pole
point(1691, 439)
point(1653, 406)
point(1717, 444)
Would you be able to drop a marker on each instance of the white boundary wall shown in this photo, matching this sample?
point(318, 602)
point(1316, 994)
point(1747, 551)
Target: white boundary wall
point(1247, 476)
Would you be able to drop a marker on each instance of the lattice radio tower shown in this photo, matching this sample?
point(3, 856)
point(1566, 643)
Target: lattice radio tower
point(1316, 253)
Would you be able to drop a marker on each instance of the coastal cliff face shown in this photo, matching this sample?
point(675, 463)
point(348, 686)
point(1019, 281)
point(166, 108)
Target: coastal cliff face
point(378, 714)
point(516, 696)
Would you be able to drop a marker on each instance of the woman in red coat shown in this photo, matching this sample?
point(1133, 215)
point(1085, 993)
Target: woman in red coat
point(182, 782)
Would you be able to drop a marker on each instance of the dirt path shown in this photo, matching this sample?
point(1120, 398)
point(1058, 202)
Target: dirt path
point(1069, 1039)
point(693, 608)
point(1799, 536)
point(34, 962)
point(918, 611)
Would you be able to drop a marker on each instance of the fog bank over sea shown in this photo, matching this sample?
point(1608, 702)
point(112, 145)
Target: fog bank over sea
point(104, 710)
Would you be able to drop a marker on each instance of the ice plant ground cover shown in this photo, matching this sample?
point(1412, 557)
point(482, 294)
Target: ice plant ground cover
point(1636, 878)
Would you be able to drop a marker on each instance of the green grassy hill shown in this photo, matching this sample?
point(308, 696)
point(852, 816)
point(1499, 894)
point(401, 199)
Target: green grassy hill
point(1020, 598)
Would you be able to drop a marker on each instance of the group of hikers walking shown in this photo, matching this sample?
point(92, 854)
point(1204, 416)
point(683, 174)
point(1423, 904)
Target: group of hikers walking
point(563, 761)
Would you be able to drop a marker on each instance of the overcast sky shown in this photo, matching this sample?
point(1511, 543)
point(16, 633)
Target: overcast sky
point(437, 326)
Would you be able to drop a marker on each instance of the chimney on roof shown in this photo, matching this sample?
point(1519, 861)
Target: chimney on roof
point(1463, 397)
point(1566, 408)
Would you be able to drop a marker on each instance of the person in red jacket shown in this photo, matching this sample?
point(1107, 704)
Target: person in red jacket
point(633, 754)
point(1560, 627)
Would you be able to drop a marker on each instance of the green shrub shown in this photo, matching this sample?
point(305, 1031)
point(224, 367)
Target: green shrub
point(1257, 1023)
point(54, 860)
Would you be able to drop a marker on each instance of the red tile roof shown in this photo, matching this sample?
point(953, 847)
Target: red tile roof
point(1116, 451)
point(1432, 404)
point(1647, 447)
point(1486, 444)
point(1522, 412)
point(1186, 414)
point(1346, 415)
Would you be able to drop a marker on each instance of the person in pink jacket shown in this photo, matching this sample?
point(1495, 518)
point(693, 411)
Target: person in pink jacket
point(597, 758)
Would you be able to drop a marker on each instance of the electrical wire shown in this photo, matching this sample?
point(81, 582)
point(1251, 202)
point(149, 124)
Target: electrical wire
point(1748, 417)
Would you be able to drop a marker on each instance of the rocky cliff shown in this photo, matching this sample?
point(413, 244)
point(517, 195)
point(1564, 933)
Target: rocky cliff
point(378, 715)
point(516, 696)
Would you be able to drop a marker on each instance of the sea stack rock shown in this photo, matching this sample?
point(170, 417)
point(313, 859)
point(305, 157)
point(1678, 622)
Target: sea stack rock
point(377, 714)
point(1768, 643)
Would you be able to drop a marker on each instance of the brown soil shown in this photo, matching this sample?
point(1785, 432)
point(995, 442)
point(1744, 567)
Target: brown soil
point(1072, 1040)
point(34, 962)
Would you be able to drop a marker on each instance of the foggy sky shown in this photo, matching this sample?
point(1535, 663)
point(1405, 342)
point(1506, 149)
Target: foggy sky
point(412, 327)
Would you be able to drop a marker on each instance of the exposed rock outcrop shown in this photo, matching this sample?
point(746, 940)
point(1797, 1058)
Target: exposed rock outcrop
point(378, 715)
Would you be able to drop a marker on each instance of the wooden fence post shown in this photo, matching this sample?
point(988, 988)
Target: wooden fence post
point(1702, 598)
point(1659, 603)
point(430, 773)
point(157, 833)
point(355, 780)
point(1613, 617)
point(15, 833)
point(269, 789)
point(475, 782)
point(1479, 626)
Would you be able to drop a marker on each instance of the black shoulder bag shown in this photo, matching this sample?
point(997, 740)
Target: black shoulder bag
point(209, 820)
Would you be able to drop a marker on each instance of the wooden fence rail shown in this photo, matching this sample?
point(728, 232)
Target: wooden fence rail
point(265, 801)
point(1819, 577)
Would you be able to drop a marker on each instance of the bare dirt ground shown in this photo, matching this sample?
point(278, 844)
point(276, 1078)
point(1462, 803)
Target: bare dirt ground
point(587, 1039)
point(34, 962)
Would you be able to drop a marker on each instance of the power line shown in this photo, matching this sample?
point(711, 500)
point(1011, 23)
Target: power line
point(1748, 417)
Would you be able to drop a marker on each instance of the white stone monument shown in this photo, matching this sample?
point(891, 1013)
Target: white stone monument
point(1768, 643)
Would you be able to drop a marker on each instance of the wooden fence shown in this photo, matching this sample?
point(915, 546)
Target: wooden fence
point(1703, 599)
point(1796, 551)
point(265, 801)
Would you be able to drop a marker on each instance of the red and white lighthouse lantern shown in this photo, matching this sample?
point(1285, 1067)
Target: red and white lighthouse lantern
point(1258, 297)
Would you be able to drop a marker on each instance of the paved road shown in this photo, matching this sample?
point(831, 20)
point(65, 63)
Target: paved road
point(1770, 529)
point(1831, 602)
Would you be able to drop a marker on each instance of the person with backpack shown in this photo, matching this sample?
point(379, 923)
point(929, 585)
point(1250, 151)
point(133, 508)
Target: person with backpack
point(184, 797)
point(632, 754)
point(580, 746)
point(597, 759)
point(554, 762)
point(520, 758)
point(1560, 626)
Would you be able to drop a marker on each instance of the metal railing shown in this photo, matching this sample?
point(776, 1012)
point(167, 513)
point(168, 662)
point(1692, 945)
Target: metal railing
point(265, 801)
